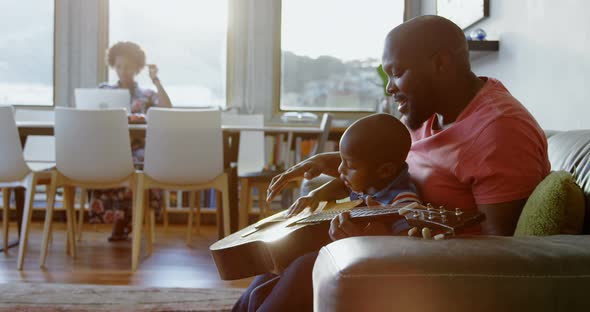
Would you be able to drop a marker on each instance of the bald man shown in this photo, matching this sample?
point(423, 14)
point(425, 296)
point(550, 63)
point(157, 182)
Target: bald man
point(474, 146)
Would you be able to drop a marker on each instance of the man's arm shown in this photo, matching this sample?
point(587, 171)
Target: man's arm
point(333, 190)
point(326, 163)
point(506, 162)
point(501, 218)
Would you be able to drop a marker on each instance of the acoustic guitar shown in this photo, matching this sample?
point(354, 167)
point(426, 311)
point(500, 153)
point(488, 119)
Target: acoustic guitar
point(271, 244)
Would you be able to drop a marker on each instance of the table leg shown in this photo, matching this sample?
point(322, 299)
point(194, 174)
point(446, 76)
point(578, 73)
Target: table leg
point(231, 144)
point(19, 198)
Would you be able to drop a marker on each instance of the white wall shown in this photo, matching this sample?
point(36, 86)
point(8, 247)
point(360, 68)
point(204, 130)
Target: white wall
point(544, 57)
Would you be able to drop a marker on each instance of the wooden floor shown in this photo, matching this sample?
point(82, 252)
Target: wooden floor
point(172, 263)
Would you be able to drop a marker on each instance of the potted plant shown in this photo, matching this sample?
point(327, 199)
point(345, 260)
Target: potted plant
point(386, 105)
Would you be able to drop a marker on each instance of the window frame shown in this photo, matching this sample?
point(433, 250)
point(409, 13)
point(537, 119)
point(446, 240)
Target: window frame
point(53, 69)
point(277, 65)
point(103, 71)
point(410, 10)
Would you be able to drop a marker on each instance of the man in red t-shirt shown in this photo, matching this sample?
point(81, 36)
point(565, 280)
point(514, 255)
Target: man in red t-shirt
point(474, 146)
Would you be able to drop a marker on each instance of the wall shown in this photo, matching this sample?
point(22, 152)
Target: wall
point(544, 57)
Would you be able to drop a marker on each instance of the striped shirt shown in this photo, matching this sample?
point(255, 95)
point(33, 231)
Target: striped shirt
point(400, 192)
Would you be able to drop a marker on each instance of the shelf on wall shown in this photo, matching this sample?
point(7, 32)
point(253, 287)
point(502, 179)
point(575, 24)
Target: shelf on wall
point(483, 45)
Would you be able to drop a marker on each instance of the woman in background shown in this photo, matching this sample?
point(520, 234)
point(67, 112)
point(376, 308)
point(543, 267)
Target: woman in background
point(106, 206)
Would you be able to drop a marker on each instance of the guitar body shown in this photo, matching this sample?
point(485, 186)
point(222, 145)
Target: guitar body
point(271, 244)
point(271, 248)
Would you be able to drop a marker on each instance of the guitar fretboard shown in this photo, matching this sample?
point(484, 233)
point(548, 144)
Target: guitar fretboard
point(357, 213)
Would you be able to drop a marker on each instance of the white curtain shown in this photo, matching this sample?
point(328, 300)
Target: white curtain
point(81, 43)
point(253, 40)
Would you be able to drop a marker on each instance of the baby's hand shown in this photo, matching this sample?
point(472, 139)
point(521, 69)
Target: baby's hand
point(302, 203)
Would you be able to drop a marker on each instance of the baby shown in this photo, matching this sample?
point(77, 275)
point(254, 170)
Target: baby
point(373, 152)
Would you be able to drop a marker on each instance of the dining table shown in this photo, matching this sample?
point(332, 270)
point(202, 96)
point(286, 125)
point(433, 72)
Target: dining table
point(231, 142)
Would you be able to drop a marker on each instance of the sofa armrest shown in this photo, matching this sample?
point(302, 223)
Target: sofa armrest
point(483, 273)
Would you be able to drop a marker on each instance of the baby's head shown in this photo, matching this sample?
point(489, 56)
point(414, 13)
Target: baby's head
point(373, 152)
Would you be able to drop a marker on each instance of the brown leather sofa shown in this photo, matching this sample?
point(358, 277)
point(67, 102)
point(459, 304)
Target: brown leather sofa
point(486, 273)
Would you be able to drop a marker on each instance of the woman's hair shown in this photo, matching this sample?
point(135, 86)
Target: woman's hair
point(128, 49)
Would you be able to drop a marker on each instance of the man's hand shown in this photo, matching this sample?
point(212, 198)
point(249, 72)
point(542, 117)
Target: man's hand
point(321, 163)
point(342, 227)
point(303, 202)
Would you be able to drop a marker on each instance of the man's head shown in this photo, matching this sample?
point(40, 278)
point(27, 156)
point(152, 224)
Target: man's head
point(373, 151)
point(423, 57)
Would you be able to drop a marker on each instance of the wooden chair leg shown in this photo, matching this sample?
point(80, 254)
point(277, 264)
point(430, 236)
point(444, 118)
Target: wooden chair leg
point(47, 196)
point(261, 187)
point(81, 213)
point(152, 213)
point(165, 209)
point(69, 199)
point(148, 222)
point(198, 211)
point(30, 185)
point(225, 205)
point(6, 215)
point(189, 227)
point(138, 212)
point(244, 208)
point(250, 198)
point(48, 220)
point(153, 224)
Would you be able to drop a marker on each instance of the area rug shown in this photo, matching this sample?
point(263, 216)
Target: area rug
point(17, 297)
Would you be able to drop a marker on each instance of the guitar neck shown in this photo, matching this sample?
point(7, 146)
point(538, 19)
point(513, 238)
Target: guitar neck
point(357, 215)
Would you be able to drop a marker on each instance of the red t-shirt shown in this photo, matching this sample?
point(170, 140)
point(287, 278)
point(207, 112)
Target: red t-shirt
point(494, 152)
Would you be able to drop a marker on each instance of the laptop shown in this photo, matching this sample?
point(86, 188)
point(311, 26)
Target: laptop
point(93, 98)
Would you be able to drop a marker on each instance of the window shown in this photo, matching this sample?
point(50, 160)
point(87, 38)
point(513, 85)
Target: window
point(26, 52)
point(331, 50)
point(186, 39)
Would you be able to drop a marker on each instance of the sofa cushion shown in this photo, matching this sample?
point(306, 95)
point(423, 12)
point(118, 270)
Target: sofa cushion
point(481, 273)
point(556, 206)
point(570, 151)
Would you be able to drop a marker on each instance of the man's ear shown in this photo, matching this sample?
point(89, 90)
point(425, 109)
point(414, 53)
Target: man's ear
point(386, 170)
point(441, 61)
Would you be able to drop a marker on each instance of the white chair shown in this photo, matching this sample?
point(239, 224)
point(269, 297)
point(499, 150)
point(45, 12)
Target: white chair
point(250, 160)
point(39, 154)
point(183, 151)
point(251, 148)
point(14, 172)
point(93, 151)
point(261, 179)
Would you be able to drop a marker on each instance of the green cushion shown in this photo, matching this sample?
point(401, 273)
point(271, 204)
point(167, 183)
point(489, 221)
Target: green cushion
point(556, 206)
